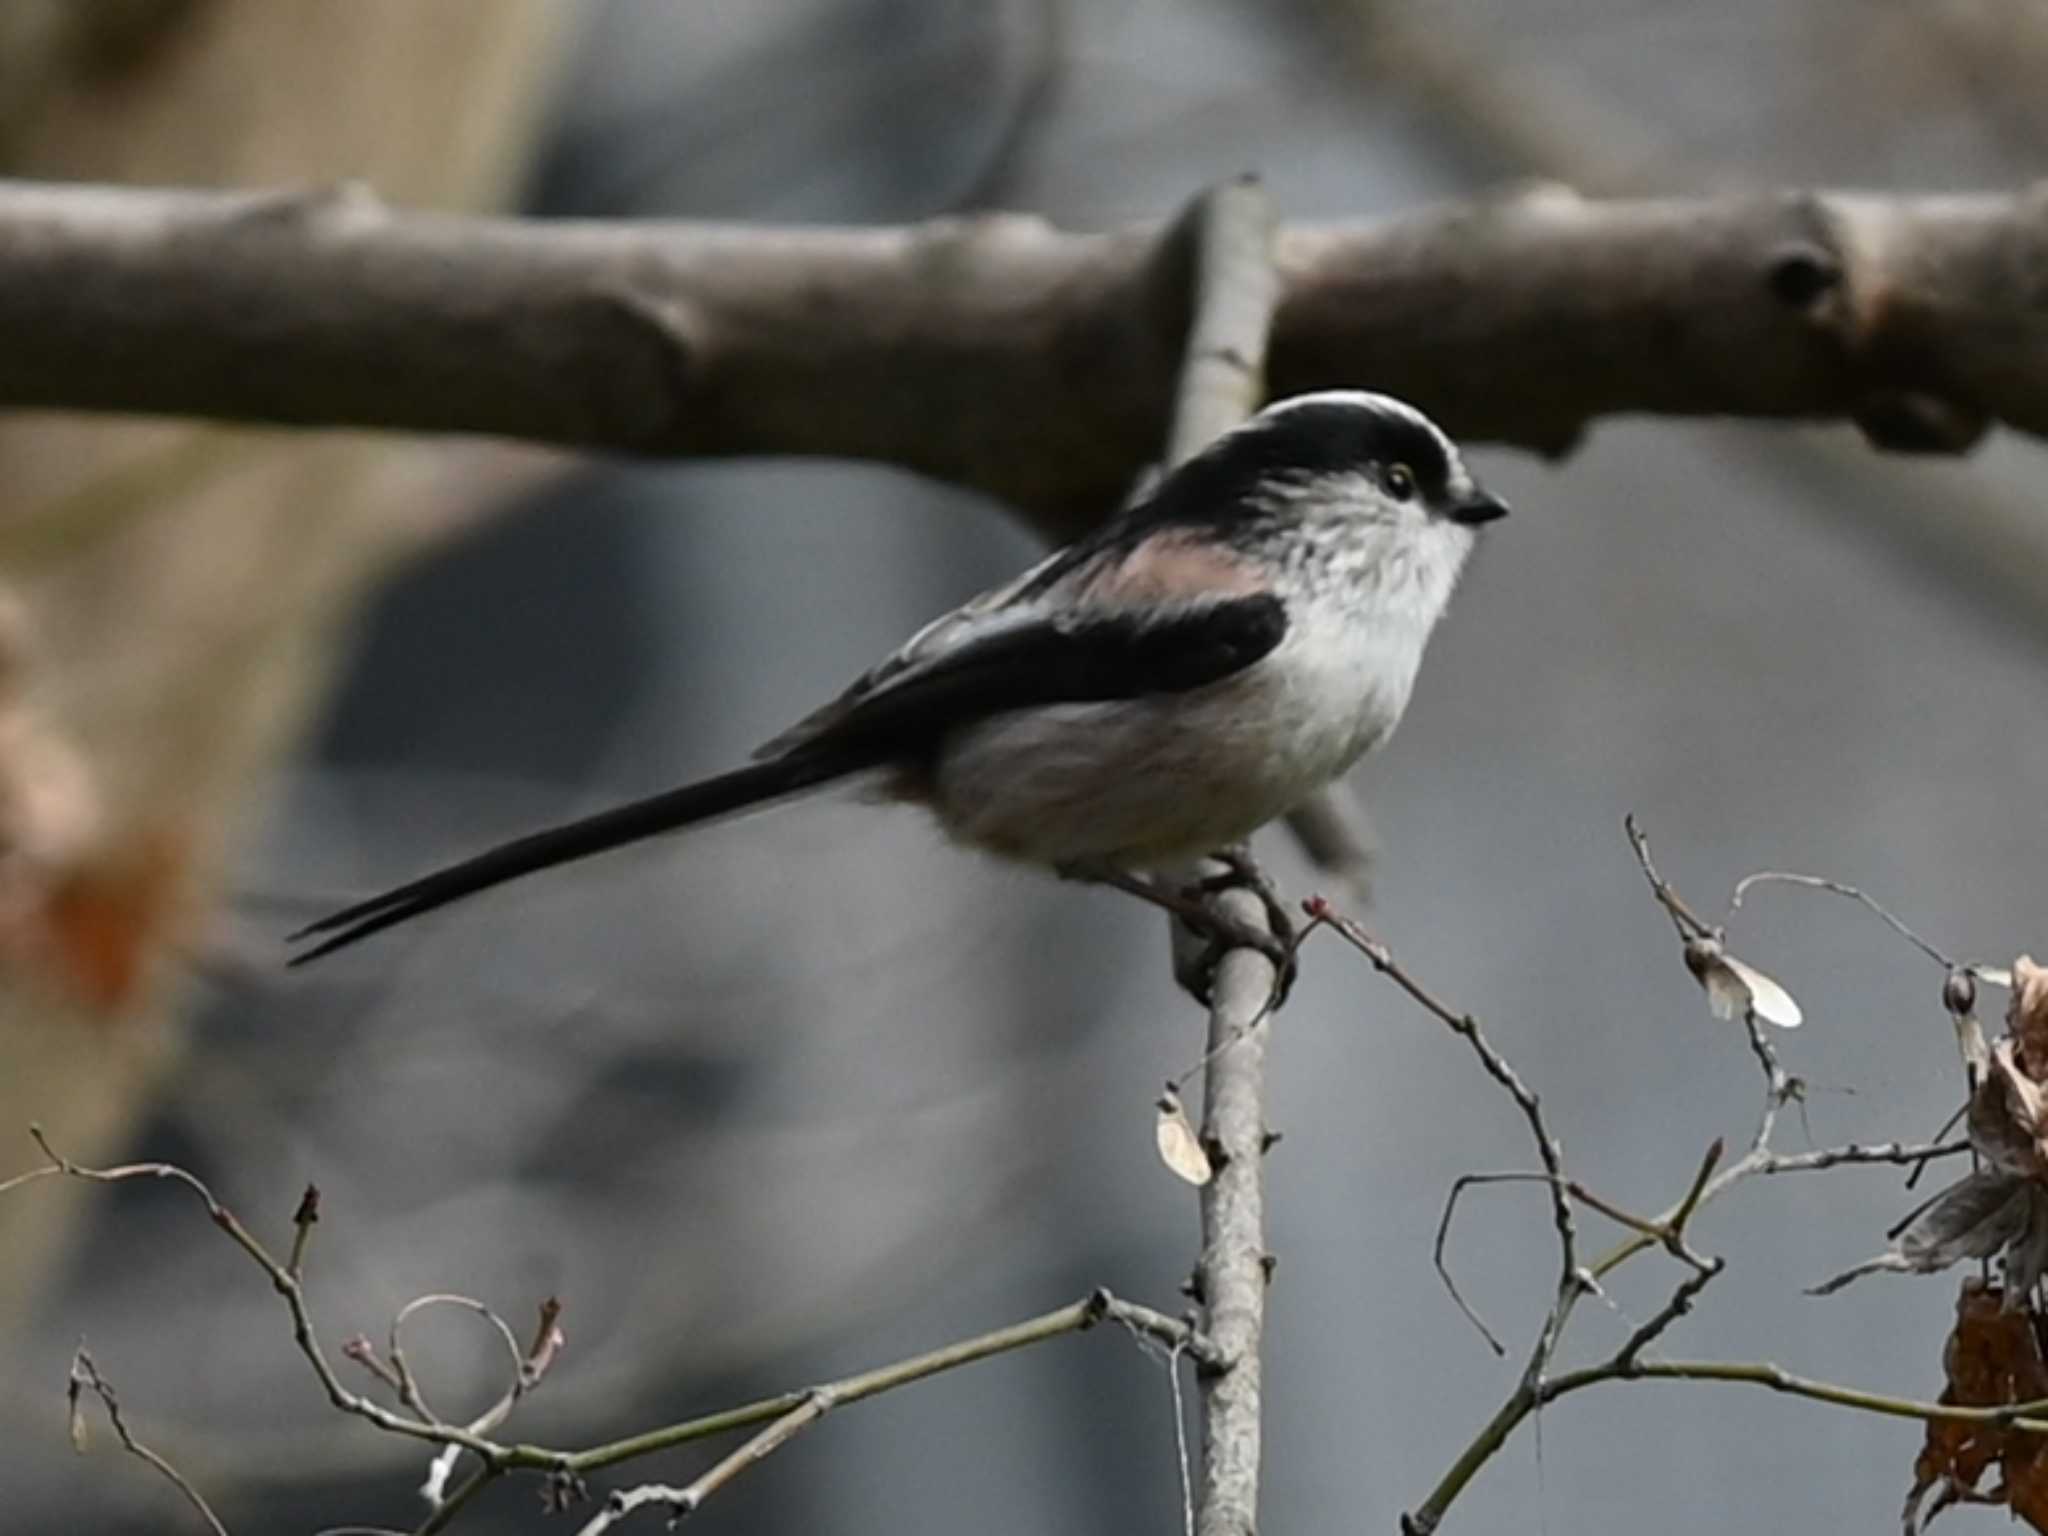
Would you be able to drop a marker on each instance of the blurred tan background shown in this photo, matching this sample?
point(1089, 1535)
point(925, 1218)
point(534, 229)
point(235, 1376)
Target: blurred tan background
point(816, 1090)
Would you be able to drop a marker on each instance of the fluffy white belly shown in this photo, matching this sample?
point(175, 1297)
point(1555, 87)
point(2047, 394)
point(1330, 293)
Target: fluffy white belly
point(1156, 780)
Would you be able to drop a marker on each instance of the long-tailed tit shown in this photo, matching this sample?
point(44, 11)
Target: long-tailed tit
point(1197, 665)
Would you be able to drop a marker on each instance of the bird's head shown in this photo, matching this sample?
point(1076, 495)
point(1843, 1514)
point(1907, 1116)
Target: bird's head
point(1382, 454)
point(1360, 496)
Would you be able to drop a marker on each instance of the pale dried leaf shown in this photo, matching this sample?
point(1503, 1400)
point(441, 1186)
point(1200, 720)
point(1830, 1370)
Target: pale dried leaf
point(1727, 997)
point(81, 1435)
point(1971, 1219)
point(2026, 1016)
point(1735, 989)
point(2008, 1119)
point(1769, 1001)
point(1892, 1261)
point(1179, 1147)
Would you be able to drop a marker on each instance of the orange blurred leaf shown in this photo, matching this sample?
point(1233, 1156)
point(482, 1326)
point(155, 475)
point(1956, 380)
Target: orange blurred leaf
point(103, 924)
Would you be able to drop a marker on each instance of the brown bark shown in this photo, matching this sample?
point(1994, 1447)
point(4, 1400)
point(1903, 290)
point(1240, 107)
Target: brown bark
point(1005, 355)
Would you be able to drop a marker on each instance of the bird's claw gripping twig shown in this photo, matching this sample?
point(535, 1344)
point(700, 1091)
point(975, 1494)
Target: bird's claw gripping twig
point(1224, 931)
point(1242, 872)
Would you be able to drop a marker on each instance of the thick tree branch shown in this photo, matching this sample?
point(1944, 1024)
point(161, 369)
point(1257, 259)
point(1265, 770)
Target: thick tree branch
point(997, 352)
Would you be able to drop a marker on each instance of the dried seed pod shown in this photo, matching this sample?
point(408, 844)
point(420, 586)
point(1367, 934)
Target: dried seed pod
point(1959, 993)
point(1737, 989)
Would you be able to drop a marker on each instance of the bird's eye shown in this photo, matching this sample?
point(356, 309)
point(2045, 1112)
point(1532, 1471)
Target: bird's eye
point(1400, 481)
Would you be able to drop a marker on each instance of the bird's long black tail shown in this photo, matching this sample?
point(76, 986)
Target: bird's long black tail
point(666, 812)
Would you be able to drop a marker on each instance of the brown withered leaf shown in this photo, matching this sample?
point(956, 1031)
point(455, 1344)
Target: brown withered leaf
point(102, 924)
point(1993, 1358)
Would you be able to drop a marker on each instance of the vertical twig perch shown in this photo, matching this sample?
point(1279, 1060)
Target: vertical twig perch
point(1228, 236)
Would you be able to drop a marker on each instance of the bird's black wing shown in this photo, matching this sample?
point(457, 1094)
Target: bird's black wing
point(1052, 660)
point(1068, 659)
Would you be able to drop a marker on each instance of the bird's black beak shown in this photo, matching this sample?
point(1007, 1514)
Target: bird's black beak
point(1476, 507)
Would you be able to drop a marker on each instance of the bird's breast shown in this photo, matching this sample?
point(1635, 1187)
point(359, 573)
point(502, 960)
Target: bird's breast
point(1169, 776)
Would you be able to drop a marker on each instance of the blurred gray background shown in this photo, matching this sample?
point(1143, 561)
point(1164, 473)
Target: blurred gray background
point(814, 1090)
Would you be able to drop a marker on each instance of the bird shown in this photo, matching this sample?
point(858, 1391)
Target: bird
point(1234, 638)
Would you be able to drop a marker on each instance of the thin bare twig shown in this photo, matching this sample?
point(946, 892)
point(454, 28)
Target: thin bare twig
point(1573, 1280)
point(1822, 883)
point(1690, 924)
point(684, 1501)
point(1625, 1361)
point(618, 1505)
point(287, 1286)
point(2031, 1417)
point(791, 1412)
point(359, 1350)
point(1180, 1441)
point(443, 1514)
point(85, 1375)
point(1459, 1185)
point(1667, 1230)
point(568, 1467)
point(1906, 1154)
point(1072, 1318)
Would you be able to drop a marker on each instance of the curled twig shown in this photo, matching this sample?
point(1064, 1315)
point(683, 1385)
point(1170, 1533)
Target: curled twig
point(528, 1367)
point(1459, 1185)
point(1572, 1278)
point(1838, 888)
point(468, 1304)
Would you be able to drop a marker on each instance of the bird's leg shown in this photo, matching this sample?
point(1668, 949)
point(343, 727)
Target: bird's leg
point(1242, 872)
point(1189, 903)
point(1223, 930)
